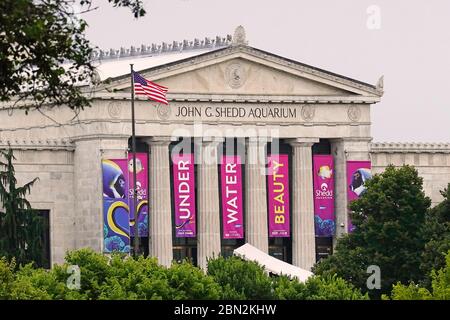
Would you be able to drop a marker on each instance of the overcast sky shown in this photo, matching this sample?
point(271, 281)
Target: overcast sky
point(411, 48)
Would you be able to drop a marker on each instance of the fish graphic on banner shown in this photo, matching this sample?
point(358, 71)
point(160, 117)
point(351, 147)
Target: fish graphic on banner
point(142, 193)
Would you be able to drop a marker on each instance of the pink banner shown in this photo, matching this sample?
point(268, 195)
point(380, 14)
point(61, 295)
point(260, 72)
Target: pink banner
point(278, 193)
point(184, 191)
point(142, 193)
point(358, 172)
point(323, 176)
point(232, 211)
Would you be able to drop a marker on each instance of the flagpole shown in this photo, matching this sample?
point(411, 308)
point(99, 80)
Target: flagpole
point(133, 150)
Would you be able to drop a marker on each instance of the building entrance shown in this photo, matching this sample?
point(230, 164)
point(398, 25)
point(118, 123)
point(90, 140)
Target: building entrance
point(281, 248)
point(185, 252)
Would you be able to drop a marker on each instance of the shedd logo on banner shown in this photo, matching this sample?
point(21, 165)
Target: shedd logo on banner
point(324, 192)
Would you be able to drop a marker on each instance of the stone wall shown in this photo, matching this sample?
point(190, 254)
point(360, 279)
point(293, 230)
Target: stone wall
point(69, 185)
point(53, 191)
point(431, 160)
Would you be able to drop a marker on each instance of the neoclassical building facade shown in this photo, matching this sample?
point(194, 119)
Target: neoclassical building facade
point(221, 91)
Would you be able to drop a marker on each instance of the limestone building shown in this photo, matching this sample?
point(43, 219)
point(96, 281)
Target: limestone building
point(220, 91)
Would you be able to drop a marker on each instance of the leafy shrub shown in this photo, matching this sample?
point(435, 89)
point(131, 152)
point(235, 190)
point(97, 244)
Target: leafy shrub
point(317, 288)
point(240, 279)
point(94, 271)
point(440, 287)
point(437, 232)
point(119, 277)
point(190, 282)
point(6, 277)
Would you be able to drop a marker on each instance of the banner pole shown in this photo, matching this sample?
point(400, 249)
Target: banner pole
point(133, 150)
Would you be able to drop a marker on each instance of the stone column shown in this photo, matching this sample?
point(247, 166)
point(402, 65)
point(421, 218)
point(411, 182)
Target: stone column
point(160, 213)
point(343, 150)
point(303, 233)
point(88, 190)
point(208, 202)
point(256, 232)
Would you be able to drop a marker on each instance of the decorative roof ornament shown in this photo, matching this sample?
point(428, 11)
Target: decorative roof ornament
point(96, 79)
point(167, 48)
point(380, 84)
point(239, 37)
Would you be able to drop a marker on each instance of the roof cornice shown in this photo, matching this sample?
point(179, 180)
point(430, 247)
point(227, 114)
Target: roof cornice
point(161, 49)
point(37, 144)
point(245, 98)
point(399, 147)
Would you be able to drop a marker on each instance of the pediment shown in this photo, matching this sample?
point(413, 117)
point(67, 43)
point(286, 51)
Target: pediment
point(241, 76)
point(248, 72)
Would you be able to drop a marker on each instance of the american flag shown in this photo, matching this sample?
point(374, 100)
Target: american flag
point(152, 90)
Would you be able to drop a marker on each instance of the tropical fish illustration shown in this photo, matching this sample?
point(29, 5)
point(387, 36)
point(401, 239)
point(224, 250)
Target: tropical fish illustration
point(325, 172)
point(139, 166)
point(114, 183)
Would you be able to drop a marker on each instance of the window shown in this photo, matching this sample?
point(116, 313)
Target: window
point(185, 252)
point(44, 260)
point(143, 245)
point(324, 247)
point(281, 248)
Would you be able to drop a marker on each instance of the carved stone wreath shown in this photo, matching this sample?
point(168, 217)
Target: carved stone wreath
point(163, 111)
point(235, 75)
point(354, 113)
point(308, 112)
point(114, 109)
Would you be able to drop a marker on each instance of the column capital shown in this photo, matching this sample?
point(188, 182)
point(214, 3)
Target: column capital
point(351, 139)
point(258, 140)
point(163, 140)
point(352, 148)
point(302, 142)
point(212, 139)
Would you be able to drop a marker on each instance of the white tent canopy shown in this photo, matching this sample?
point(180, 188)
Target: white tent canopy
point(271, 264)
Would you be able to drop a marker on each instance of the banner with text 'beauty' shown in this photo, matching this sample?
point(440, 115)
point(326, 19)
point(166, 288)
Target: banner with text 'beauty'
point(278, 193)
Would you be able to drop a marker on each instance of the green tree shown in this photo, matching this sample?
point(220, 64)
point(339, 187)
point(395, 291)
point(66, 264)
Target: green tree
point(440, 287)
point(21, 229)
point(389, 218)
point(36, 38)
point(240, 279)
point(437, 234)
point(6, 277)
point(118, 277)
point(123, 277)
point(127, 278)
point(317, 288)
